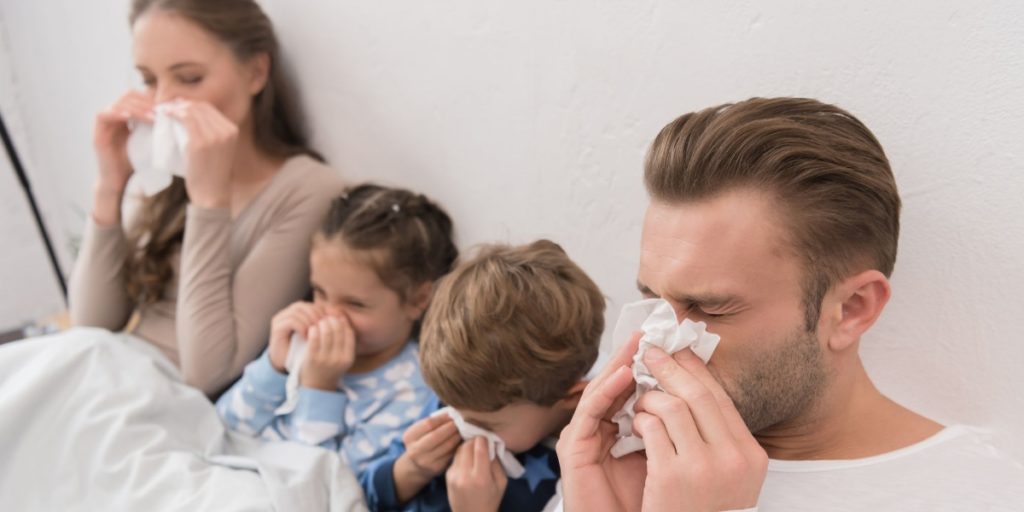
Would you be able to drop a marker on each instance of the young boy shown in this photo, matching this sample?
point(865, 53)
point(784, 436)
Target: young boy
point(507, 340)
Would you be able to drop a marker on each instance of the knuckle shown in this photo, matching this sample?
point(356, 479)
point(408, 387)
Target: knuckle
point(675, 407)
point(699, 395)
point(734, 464)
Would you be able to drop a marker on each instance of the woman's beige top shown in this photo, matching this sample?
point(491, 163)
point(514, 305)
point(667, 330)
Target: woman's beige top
point(230, 276)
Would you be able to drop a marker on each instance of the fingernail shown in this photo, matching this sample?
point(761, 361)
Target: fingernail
point(655, 355)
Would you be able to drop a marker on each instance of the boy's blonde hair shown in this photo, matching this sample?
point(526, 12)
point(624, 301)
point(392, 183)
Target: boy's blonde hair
point(513, 324)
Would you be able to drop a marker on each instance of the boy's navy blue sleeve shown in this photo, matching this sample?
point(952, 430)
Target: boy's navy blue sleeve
point(378, 479)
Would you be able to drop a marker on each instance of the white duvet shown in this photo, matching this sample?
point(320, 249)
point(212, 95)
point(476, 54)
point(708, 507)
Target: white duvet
point(91, 420)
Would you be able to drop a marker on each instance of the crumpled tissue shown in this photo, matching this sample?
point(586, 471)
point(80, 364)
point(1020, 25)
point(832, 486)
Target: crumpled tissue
point(495, 445)
point(293, 364)
point(657, 320)
point(157, 150)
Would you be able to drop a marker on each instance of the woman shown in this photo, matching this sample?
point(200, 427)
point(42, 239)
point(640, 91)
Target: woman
point(206, 262)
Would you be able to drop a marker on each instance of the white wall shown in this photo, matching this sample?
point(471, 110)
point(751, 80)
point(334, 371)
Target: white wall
point(530, 119)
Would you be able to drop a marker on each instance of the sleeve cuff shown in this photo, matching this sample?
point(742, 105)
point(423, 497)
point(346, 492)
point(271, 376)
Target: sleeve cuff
point(383, 482)
point(320, 405)
point(265, 377)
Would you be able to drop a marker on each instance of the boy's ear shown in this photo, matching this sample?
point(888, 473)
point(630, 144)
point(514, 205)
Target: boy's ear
point(572, 397)
point(419, 299)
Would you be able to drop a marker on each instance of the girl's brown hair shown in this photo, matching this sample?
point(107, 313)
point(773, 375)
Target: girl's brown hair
point(159, 230)
point(405, 237)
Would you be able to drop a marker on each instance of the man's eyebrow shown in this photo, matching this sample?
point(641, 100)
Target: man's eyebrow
point(704, 299)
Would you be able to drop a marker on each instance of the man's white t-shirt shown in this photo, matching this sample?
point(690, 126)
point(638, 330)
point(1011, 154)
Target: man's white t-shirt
point(956, 469)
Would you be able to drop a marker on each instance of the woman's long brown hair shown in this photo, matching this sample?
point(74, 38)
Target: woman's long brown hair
point(160, 227)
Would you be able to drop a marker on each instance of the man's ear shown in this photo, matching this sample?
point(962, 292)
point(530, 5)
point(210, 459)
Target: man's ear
point(572, 397)
point(259, 72)
point(859, 301)
point(419, 299)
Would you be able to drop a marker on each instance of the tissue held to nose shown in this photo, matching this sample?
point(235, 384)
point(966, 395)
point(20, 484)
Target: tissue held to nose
point(157, 151)
point(657, 320)
point(495, 445)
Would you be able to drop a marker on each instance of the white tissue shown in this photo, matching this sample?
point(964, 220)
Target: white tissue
point(657, 320)
point(495, 445)
point(293, 364)
point(157, 151)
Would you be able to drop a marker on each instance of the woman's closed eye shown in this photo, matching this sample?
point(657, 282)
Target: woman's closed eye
point(190, 79)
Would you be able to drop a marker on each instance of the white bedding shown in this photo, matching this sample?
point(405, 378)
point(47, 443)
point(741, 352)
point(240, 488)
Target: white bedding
point(91, 420)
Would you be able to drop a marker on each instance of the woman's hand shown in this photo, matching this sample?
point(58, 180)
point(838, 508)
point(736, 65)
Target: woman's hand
point(209, 154)
point(110, 140)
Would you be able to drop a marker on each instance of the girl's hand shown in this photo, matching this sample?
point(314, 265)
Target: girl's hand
point(210, 153)
point(296, 318)
point(110, 137)
point(330, 352)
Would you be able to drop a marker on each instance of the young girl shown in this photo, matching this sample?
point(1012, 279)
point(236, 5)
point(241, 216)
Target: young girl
point(374, 263)
point(205, 261)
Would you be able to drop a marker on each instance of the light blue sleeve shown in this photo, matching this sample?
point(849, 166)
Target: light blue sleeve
point(372, 438)
point(248, 407)
point(318, 419)
point(361, 428)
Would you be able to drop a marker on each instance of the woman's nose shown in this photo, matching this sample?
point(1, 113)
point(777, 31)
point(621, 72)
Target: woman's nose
point(165, 93)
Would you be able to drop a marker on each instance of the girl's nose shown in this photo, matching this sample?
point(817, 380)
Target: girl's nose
point(335, 310)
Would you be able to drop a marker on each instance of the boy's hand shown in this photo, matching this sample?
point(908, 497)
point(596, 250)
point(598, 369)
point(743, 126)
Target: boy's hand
point(592, 479)
point(474, 482)
point(700, 455)
point(429, 446)
point(296, 318)
point(330, 352)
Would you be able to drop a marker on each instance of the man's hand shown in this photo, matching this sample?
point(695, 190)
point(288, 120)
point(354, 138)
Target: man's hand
point(475, 484)
point(592, 479)
point(429, 446)
point(700, 455)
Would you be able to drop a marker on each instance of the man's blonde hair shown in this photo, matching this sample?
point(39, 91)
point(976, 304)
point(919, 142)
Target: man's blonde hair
point(513, 324)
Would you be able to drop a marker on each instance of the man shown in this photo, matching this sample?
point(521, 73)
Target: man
point(776, 222)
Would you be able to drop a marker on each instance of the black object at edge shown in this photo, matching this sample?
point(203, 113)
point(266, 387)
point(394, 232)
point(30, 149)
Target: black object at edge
point(12, 155)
